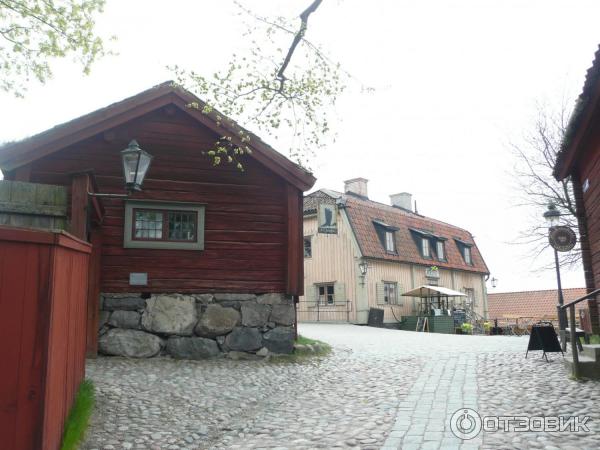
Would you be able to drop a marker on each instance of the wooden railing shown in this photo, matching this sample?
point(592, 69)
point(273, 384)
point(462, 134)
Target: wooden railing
point(573, 330)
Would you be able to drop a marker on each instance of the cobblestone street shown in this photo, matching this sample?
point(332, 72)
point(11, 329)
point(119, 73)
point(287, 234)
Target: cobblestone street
point(379, 389)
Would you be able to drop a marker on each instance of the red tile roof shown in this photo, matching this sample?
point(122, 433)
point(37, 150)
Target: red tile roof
point(536, 304)
point(362, 212)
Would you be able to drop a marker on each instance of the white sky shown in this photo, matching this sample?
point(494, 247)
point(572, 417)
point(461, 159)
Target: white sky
point(455, 81)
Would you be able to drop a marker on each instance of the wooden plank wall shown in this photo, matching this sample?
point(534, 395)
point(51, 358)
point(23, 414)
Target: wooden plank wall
point(33, 205)
point(589, 169)
point(246, 233)
point(43, 284)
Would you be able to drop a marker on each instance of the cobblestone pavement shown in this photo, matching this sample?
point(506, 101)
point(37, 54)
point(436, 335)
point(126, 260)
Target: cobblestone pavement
point(379, 389)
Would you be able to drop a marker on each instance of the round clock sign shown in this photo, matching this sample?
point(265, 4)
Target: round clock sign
point(562, 238)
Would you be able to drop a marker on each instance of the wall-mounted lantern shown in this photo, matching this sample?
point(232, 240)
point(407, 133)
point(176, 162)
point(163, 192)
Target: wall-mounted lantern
point(136, 163)
point(363, 267)
point(494, 282)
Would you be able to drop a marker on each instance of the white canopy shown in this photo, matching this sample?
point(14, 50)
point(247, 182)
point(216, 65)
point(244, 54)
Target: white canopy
point(426, 291)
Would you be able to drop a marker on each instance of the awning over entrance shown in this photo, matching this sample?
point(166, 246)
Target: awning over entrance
point(426, 291)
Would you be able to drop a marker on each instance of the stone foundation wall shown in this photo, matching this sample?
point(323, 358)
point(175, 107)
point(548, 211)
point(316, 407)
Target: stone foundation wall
point(195, 326)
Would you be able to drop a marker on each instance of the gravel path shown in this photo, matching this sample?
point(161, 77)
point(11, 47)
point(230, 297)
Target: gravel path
point(379, 388)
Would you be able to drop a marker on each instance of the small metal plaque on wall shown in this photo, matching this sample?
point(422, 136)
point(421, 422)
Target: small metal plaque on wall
point(138, 279)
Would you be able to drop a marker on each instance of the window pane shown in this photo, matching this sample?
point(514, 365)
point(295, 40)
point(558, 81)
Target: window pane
point(425, 246)
point(182, 225)
point(389, 241)
point(307, 247)
point(440, 250)
point(148, 224)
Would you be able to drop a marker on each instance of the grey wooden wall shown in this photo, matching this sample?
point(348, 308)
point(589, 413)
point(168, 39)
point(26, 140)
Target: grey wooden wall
point(32, 205)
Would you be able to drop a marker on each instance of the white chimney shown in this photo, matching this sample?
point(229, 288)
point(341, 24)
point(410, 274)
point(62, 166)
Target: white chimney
point(402, 200)
point(356, 186)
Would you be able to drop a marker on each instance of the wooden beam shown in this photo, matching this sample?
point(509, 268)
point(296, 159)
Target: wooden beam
point(93, 296)
point(295, 257)
point(79, 205)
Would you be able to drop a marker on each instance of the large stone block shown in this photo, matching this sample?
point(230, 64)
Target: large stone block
point(234, 297)
point(282, 314)
point(270, 299)
point(124, 303)
point(216, 320)
point(170, 314)
point(130, 343)
point(192, 347)
point(244, 339)
point(204, 299)
point(255, 315)
point(279, 340)
point(125, 319)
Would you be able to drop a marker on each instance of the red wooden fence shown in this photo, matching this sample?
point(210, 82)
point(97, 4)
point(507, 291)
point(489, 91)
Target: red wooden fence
point(43, 294)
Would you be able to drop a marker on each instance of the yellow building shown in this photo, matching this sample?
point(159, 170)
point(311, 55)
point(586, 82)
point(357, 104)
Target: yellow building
point(360, 254)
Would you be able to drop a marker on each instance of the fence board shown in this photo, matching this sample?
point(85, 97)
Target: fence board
point(43, 294)
point(33, 205)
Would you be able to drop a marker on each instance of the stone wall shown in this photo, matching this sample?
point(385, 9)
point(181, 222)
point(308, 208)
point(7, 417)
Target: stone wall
point(196, 326)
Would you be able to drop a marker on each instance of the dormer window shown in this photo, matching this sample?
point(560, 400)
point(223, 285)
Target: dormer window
point(390, 244)
point(467, 255)
point(465, 251)
point(440, 250)
point(387, 235)
point(425, 250)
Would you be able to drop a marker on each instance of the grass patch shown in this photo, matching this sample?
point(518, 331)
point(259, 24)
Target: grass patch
point(78, 419)
point(319, 348)
point(594, 339)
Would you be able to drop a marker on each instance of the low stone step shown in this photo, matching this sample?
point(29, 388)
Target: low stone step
point(592, 351)
point(588, 367)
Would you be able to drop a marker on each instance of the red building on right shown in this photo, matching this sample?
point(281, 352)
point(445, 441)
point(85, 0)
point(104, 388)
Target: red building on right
point(579, 159)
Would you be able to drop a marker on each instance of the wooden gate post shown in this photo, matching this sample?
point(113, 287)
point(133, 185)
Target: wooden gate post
point(79, 205)
point(93, 294)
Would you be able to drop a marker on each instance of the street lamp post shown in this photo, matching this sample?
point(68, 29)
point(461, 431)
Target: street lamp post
point(552, 216)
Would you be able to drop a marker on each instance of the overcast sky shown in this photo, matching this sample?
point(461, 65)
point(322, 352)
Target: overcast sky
point(455, 82)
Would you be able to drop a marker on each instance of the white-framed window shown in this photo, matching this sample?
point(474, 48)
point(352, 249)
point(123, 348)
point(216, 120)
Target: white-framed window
point(425, 249)
point(390, 293)
point(390, 244)
point(308, 246)
point(163, 225)
point(441, 254)
point(471, 300)
point(467, 255)
point(326, 294)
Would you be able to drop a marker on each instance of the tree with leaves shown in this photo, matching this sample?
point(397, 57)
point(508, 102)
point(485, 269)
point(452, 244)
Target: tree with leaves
point(274, 89)
point(34, 32)
point(535, 161)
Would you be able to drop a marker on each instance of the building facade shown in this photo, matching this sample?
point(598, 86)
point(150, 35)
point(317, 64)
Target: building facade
point(361, 254)
point(579, 161)
point(205, 258)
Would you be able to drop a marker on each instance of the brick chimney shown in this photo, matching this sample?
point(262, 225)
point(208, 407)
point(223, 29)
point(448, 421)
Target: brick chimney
point(402, 200)
point(357, 186)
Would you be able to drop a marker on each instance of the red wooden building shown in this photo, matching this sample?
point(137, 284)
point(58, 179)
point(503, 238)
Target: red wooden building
point(195, 229)
point(579, 159)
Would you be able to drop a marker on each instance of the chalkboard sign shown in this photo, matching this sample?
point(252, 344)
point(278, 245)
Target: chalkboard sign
point(375, 317)
point(543, 337)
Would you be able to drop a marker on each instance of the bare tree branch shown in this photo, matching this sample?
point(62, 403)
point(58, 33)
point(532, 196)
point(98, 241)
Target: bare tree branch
point(535, 158)
point(297, 38)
